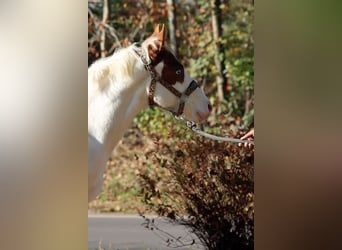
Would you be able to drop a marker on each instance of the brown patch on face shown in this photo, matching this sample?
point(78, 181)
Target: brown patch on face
point(173, 70)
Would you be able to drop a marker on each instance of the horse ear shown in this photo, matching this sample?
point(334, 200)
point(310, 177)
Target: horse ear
point(160, 34)
point(155, 43)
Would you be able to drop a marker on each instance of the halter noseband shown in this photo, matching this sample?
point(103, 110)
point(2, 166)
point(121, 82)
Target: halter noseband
point(182, 97)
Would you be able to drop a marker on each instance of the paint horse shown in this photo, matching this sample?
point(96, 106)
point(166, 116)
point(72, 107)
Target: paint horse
point(131, 79)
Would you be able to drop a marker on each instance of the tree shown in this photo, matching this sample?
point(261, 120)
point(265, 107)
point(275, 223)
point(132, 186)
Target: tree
point(171, 10)
point(103, 30)
point(219, 50)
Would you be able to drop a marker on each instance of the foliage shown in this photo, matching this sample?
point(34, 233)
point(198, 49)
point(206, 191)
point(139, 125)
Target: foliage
point(210, 182)
point(239, 62)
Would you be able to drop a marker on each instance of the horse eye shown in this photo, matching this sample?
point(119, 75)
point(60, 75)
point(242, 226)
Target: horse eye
point(178, 72)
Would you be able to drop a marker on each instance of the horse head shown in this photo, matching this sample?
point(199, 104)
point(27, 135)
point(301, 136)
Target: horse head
point(171, 86)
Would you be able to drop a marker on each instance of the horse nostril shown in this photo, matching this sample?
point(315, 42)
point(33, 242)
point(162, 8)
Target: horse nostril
point(210, 107)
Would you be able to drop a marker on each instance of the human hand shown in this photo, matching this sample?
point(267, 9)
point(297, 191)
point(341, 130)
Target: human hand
point(249, 136)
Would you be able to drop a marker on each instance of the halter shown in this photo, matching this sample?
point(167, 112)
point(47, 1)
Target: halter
point(182, 97)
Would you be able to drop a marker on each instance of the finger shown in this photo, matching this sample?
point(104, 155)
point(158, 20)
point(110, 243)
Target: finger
point(246, 136)
point(251, 133)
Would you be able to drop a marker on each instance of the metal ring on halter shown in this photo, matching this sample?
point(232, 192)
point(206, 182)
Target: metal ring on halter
point(183, 98)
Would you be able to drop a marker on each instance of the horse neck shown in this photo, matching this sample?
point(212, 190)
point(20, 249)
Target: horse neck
point(111, 110)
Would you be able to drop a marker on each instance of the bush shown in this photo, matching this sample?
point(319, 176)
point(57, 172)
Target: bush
point(203, 184)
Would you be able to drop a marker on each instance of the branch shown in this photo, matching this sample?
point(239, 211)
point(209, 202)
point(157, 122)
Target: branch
point(112, 32)
point(95, 34)
point(103, 33)
point(136, 30)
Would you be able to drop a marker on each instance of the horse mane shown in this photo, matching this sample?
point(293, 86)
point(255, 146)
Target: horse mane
point(120, 65)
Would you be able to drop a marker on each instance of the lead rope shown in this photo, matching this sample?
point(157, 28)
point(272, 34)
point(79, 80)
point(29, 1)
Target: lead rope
point(193, 127)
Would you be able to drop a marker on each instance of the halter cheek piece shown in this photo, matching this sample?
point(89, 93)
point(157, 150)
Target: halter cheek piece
point(182, 97)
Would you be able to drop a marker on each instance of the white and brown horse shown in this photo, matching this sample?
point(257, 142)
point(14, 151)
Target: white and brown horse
point(128, 81)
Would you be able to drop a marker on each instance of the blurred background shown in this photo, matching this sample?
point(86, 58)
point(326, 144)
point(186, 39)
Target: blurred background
point(43, 75)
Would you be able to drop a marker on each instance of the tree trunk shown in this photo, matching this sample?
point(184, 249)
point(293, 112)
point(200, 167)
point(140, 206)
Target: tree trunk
point(171, 11)
point(103, 31)
point(221, 79)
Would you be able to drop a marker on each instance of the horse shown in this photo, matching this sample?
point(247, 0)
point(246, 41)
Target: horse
point(128, 81)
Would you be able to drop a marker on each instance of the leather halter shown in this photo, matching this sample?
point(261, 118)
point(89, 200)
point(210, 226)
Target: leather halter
point(182, 97)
